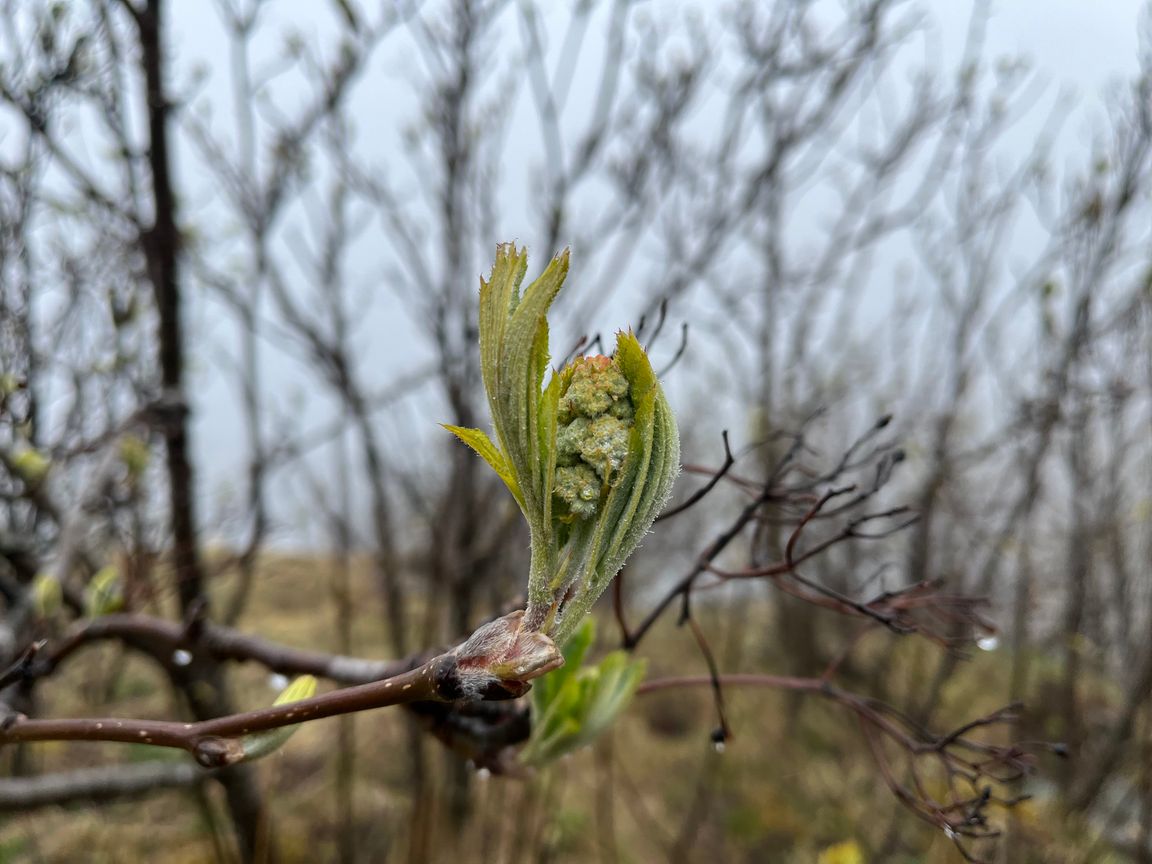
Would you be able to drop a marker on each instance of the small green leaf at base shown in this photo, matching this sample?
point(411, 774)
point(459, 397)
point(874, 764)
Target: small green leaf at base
point(574, 704)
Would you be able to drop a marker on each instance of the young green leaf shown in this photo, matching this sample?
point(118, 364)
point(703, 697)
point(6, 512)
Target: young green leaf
point(574, 704)
point(483, 446)
point(545, 690)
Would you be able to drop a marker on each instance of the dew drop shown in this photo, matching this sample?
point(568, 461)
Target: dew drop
point(181, 657)
point(278, 682)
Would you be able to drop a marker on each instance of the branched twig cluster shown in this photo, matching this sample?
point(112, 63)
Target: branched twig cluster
point(972, 769)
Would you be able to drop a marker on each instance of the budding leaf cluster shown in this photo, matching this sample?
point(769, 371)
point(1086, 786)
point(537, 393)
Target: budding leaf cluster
point(590, 457)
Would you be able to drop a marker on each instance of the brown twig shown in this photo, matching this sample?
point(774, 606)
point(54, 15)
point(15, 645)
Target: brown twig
point(161, 638)
point(961, 816)
point(20, 669)
point(496, 662)
point(214, 743)
point(699, 494)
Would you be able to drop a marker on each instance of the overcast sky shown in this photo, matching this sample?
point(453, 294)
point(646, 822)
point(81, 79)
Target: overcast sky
point(1080, 47)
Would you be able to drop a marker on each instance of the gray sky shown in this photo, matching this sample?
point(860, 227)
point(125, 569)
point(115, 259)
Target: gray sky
point(1079, 47)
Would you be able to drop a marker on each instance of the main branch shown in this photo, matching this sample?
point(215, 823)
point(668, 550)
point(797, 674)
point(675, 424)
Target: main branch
point(496, 662)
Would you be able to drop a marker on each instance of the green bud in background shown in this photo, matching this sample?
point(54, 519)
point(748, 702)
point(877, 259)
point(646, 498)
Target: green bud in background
point(590, 458)
point(135, 455)
point(47, 595)
point(31, 466)
point(260, 744)
point(10, 384)
point(104, 593)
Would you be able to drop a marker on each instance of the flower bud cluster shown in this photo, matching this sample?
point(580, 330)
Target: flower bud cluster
point(595, 421)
